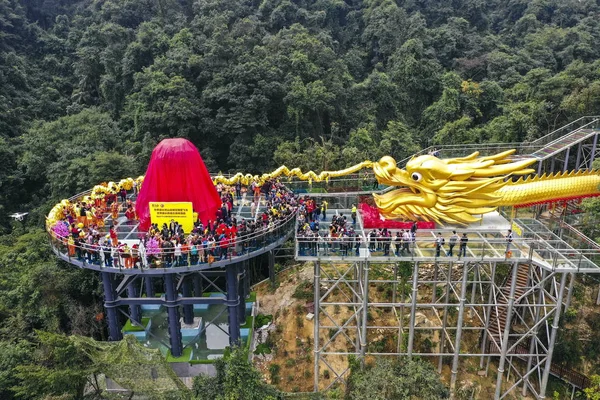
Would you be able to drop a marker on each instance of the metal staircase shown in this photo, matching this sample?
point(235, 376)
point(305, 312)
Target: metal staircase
point(498, 323)
point(573, 146)
point(563, 143)
point(498, 317)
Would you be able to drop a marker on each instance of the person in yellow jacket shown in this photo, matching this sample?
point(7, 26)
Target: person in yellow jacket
point(324, 205)
point(353, 214)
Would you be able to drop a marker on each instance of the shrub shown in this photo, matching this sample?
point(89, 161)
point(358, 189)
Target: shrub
point(304, 290)
point(290, 362)
point(274, 372)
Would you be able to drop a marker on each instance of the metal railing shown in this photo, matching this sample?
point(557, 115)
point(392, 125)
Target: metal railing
point(549, 254)
point(243, 246)
point(523, 148)
point(581, 123)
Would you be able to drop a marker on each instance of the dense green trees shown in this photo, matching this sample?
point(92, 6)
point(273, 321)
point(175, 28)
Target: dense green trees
point(400, 378)
point(242, 80)
point(236, 378)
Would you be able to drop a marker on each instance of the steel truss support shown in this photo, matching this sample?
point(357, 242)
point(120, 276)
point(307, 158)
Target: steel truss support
point(181, 293)
point(497, 313)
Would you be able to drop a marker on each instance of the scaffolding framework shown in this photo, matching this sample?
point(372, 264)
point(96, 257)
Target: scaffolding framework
point(447, 311)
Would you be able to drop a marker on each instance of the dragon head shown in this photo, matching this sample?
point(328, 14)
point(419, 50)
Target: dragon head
point(450, 190)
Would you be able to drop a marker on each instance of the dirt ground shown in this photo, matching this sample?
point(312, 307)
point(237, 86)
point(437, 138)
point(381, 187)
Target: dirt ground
point(292, 336)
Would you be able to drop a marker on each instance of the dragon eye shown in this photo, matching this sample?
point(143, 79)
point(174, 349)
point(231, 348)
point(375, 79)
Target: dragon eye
point(416, 176)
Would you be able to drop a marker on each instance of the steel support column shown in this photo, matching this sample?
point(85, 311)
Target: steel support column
point(317, 299)
point(135, 311)
point(413, 308)
point(149, 285)
point(536, 319)
point(198, 289)
point(233, 300)
point(503, 350)
point(188, 309)
point(577, 161)
point(488, 315)
point(173, 316)
point(555, 322)
point(445, 318)
point(271, 257)
point(365, 305)
point(242, 293)
point(593, 154)
point(566, 164)
point(114, 329)
point(570, 292)
point(459, 325)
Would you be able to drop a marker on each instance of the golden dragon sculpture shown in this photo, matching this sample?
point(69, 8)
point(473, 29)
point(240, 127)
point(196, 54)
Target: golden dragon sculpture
point(459, 190)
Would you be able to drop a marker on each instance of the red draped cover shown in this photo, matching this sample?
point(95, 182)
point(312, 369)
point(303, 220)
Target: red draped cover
point(372, 219)
point(177, 173)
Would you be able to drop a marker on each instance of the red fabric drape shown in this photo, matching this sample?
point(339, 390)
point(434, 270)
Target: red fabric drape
point(176, 172)
point(372, 220)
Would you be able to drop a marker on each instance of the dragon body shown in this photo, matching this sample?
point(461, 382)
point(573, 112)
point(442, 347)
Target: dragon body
point(459, 190)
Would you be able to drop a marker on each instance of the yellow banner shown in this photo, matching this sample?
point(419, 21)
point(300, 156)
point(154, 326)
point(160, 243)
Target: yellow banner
point(165, 212)
point(517, 229)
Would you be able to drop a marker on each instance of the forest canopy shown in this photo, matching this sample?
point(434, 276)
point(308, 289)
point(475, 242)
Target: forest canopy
point(89, 87)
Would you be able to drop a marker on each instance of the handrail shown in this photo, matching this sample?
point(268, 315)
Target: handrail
point(520, 146)
point(545, 137)
point(262, 231)
point(259, 240)
point(580, 235)
point(554, 254)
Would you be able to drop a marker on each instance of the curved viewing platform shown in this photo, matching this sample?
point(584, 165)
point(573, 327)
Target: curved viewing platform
point(242, 248)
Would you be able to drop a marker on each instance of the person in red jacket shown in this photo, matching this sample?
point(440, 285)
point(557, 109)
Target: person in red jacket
point(130, 214)
point(113, 236)
point(223, 244)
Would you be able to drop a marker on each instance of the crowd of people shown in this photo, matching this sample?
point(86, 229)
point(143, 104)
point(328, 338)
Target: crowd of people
point(342, 239)
point(84, 229)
